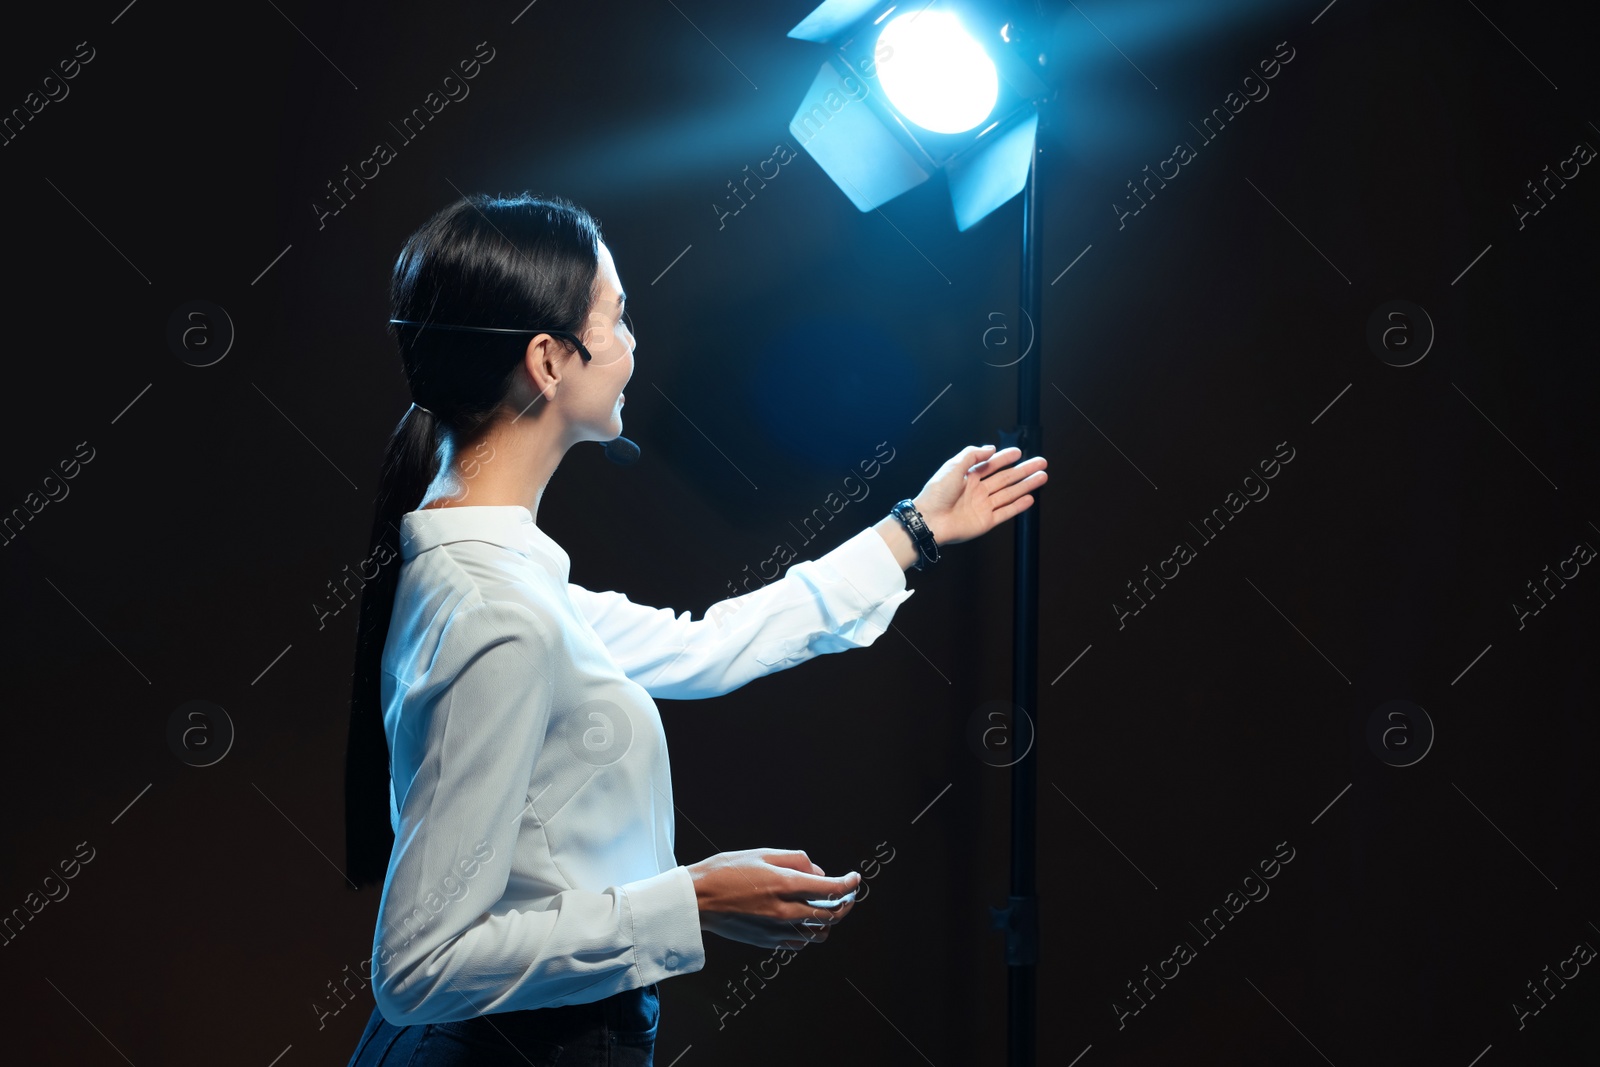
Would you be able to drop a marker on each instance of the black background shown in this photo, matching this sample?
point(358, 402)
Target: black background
point(1227, 317)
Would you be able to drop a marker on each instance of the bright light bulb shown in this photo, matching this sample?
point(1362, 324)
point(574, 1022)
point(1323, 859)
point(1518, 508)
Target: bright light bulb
point(935, 72)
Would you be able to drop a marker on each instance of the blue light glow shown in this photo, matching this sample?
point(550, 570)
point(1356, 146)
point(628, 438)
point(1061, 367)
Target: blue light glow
point(935, 73)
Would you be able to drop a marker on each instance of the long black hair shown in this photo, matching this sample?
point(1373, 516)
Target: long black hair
point(511, 262)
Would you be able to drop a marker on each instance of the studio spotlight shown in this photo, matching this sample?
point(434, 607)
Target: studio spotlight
point(908, 91)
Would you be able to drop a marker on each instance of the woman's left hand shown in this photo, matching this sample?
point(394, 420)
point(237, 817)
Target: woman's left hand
point(976, 490)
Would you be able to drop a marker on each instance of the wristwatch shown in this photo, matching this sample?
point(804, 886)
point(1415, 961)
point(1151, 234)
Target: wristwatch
point(917, 527)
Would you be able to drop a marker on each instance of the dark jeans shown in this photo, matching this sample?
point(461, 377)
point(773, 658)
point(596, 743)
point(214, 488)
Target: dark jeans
point(619, 1031)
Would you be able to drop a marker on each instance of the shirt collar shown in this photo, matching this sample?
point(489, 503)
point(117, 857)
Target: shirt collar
point(510, 526)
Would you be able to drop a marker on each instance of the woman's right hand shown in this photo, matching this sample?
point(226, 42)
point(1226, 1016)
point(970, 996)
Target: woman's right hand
point(758, 896)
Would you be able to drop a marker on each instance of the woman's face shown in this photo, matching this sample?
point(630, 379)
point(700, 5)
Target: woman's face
point(596, 386)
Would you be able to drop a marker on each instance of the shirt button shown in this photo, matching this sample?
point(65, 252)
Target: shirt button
point(673, 959)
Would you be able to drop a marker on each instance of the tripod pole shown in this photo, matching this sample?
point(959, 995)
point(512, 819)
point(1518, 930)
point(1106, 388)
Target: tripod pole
point(1019, 919)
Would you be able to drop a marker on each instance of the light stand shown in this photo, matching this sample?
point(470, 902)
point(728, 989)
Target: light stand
point(860, 132)
point(1019, 919)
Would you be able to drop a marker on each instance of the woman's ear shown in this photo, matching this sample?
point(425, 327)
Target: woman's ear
point(543, 360)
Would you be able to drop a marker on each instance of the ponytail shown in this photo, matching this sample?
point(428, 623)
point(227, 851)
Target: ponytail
point(410, 463)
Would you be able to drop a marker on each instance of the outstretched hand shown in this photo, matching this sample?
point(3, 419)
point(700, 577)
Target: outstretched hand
point(976, 490)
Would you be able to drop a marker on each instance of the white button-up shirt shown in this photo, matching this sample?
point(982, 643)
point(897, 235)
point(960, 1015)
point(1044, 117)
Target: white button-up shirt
point(530, 790)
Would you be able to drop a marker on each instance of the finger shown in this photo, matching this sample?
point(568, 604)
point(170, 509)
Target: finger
point(1029, 479)
point(1012, 493)
point(1004, 456)
point(801, 912)
point(1002, 461)
point(1002, 478)
point(830, 916)
point(1012, 510)
point(969, 457)
point(811, 932)
point(795, 860)
point(801, 915)
point(812, 913)
point(810, 887)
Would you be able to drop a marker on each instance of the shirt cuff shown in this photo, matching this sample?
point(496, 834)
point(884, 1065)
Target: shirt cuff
point(665, 916)
point(873, 582)
point(867, 563)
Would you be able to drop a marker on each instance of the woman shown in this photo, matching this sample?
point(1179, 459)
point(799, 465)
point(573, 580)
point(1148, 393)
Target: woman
point(508, 779)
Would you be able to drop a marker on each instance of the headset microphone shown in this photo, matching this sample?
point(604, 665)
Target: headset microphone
point(622, 452)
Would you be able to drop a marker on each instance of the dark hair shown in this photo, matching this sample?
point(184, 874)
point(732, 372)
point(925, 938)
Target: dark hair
point(512, 262)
